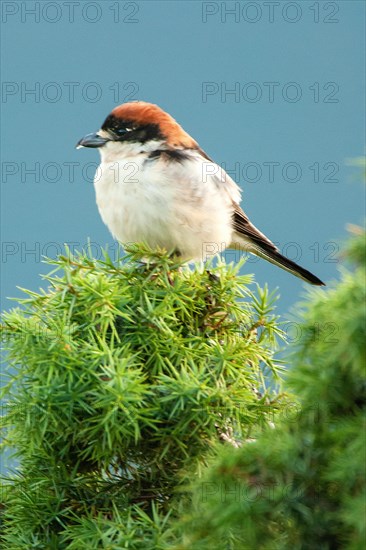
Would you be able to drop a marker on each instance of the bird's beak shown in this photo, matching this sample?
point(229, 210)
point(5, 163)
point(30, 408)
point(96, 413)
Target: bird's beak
point(91, 140)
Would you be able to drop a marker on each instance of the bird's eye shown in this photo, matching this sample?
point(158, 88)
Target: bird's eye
point(122, 131)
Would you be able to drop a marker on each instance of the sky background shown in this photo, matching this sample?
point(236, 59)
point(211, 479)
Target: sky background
point(273, 90)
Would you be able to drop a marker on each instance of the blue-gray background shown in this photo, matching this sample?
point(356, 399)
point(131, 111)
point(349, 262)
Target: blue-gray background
point(294, 116)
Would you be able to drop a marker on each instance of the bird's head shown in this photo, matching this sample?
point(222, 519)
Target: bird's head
point(140, 127)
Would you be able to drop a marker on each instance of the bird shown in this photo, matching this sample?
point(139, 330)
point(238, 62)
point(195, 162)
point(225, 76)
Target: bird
point(156, 185)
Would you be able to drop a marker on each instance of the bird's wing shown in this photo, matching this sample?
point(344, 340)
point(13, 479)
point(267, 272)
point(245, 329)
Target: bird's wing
point(220, 178)
point(245, 228)
point(241, 222)
point(248, 237)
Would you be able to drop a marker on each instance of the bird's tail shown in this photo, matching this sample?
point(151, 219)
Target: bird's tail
point(271, 254)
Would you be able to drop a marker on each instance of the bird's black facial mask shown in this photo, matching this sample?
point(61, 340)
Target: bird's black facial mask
point(124, 130)
point(121, 130)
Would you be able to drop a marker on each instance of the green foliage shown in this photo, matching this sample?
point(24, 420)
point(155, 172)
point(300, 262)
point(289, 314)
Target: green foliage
point(302, 484)
point(359, 162)
point(124, 377)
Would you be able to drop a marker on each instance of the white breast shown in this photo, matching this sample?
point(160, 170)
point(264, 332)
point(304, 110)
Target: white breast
point(164, 203)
